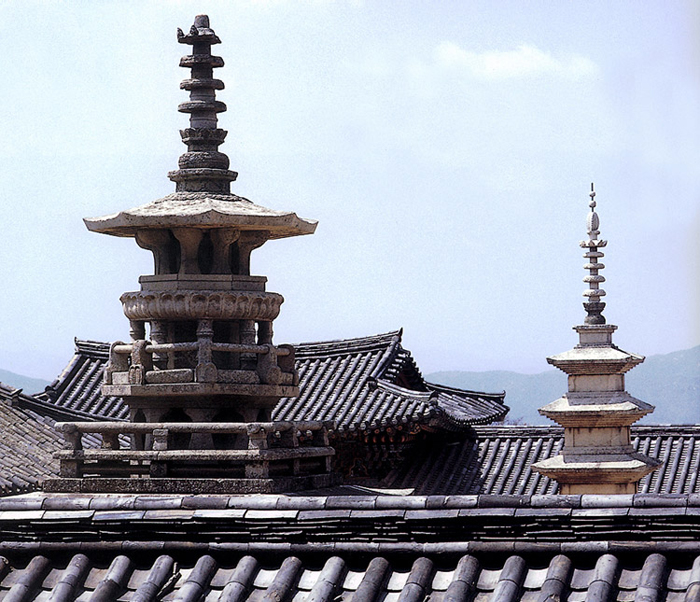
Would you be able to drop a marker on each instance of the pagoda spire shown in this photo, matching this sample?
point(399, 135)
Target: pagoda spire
point(596, 411)
point(594, 306)
point(202, 168)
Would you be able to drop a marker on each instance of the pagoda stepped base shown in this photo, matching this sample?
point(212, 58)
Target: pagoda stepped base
point(268, 457)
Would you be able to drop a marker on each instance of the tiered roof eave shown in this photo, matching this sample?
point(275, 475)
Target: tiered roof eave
point(202, 210)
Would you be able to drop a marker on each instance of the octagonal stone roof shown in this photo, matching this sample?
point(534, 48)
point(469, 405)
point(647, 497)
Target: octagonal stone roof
point(202, 210)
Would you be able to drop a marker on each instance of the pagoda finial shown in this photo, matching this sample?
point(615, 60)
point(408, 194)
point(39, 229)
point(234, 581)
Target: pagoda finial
point(202, 168)
point(594, 306)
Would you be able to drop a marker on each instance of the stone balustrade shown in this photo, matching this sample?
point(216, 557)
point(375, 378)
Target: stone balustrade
point(258, 450)
point(136, 363)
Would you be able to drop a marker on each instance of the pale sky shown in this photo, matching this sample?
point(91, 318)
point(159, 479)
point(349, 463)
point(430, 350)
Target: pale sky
point(446, 149)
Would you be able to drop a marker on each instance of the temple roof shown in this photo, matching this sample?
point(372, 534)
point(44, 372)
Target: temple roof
point(354, 548)
point(361, 384)
point(256, 577)
point(372, 383)
point(493, 460)
point(27, 443)
point(76, 391)
point(497, 460)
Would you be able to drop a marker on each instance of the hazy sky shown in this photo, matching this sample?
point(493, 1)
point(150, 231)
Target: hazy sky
point(446, 149)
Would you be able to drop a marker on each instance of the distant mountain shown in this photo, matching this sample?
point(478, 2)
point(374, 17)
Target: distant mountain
point(26, 383)
point(671, 382)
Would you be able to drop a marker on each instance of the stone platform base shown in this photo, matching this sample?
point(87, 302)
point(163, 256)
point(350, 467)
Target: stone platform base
point(190, 486)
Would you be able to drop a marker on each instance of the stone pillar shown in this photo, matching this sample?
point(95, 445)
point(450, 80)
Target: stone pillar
point(206, 370)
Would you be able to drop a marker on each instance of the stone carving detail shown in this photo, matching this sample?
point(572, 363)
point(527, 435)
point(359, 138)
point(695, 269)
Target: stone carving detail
point(202, 167)
point(235, 305)
point(195, 159)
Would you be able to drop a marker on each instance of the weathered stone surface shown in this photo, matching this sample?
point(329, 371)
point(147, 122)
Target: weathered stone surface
point(202, 210)
point(191, 485)
point(211, 305)
point(201, 351)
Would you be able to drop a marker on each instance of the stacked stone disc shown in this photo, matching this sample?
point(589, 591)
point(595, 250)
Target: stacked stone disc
point(594, 306)
point(202, 168)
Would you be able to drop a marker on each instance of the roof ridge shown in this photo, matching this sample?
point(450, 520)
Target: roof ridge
point(8, 389)
point(90, 347)
point(383, 383)
point(348, 345)
point(387, 360)
point(438, 387)
point(11, 394)
point(519, 430)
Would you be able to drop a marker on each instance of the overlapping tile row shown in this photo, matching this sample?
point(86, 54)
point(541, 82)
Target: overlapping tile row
point(372, 383)
point(77, 392)
point(494, 460)
point(599, 577)
point(678, 447)
point(343, 524)
point(497, 460)
point(27, 443)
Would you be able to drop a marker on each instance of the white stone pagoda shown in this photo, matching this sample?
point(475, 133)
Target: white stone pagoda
point(596, 411)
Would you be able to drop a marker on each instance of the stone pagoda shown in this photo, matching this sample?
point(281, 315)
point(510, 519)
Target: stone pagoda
point(596, 412)
point(201, 374)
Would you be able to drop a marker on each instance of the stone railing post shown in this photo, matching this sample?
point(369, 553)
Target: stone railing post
point(141, 362)
point(257, 439)
point(118, 362)
point(206, 371)
point(110, 440)
point(158, 468)
point(267, 369)
point(71, 468)
point(286, 362)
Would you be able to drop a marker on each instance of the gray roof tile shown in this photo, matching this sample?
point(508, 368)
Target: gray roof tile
point(496, 460)
point(27, 444)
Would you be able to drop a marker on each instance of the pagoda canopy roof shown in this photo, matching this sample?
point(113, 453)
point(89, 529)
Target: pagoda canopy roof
point(202, 210)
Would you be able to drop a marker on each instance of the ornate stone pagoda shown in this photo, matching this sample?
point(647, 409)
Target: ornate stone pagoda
point(201, 373)
point(596, 412)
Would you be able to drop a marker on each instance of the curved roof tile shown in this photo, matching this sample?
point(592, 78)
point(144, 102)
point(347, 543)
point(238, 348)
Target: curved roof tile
point(253, 577)
point(497, 460)
point(372, 383)
point(27, 443)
